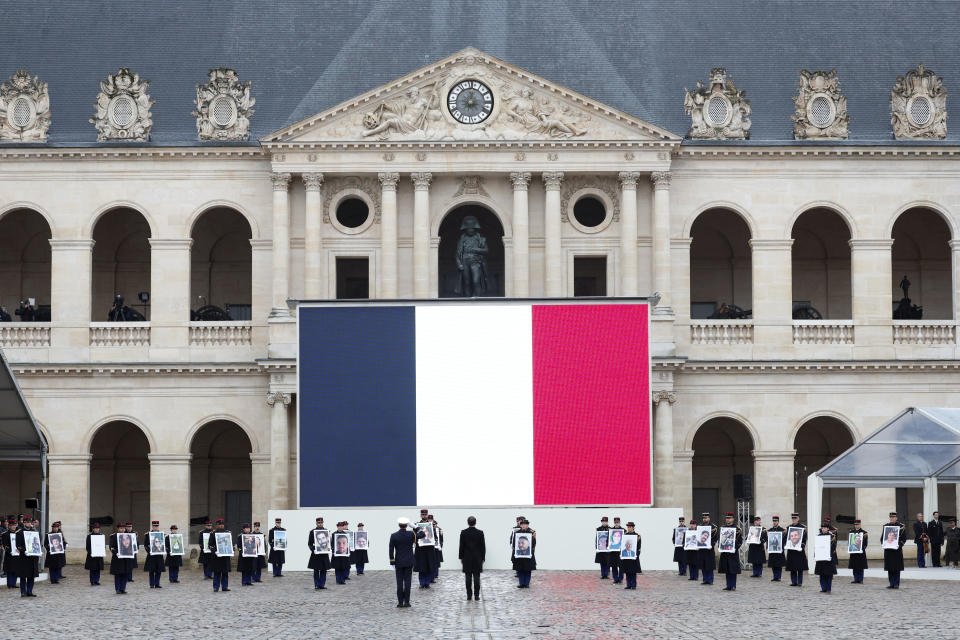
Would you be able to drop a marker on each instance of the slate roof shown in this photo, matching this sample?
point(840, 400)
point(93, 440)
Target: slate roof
point(637, 56)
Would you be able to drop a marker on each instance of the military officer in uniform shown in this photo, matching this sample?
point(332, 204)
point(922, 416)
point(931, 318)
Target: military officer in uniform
point(277, 556)
point(835, 559)
point(205, 554)
point(679, 555)
point(603, 557)
point(245, 565)
point(692, 555)
point(797, 560)
point(359, 557)
point(319, 562)
point(615, 556)
point(8, 540)
point(755, 552)
point(776, 561)
point(154, 564)
point(426, 558)
point(27, 567)
point(55, 562)
point(858, 561)
point(706, 559)
point(438, 548)
point(825, 568)
point(92, 564)
point(120, 568)
point(401, 552)
point(261, 557)
point(173, 562)
point(730, 560)
point(220, 565)
point(631, 566)
point(893, 558)
point(525, 566)
point(935, 533)
point(128, 528)
point(341, 564)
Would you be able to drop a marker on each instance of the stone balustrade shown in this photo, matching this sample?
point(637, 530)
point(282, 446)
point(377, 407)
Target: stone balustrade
point(19, 335)
point(924, 332)
point(823, 332)
point(721, 331)
point(119, 334)
point(221, 334)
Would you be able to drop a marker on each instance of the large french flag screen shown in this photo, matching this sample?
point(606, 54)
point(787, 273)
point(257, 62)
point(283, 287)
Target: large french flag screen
point(479, 404)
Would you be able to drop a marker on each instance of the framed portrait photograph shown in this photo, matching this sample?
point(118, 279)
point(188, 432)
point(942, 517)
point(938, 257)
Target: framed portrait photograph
point(341, 545)
point(436, 539)
point(261, 543)
point(523, 545)
point(353, 539)
point(679, 536)
point(56, 543)
point(428, 539)
point(891, 537)
point(362, 542)
point(753, 535)
point(616, 539)
point(321, 541)
point(794, 539)
point(248, 545)
point(603, 541)
point(855, 542)
point(628, 550)
point(774, 541)
point(224, 542)
point(176, 544)
point(280, 540)
point(691, 540)
point(126, 545)
point(728, 539)
point(31, 540)
point(136, 544)
point(704, 537)
point(98, 546)
point(205, 536)
point(156, 547)
point(821, 548)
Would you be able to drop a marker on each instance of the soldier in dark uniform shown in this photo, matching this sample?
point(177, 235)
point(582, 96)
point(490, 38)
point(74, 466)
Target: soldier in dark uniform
point(261, 558)
point(692, 555)
point(935, 533)
point(401, 553)
point(155, 563)
point(91, 564)
point(425, 558)
point(173, 562)
point(245, 565)
point(27, 567)
point(631, 566)
point(893, 558)
point(679, 555)
point(706, 559)
point(603, 557)
point(825, 568)
point(797, 560)
point(730, 560)
point(359, 557)
point(951, 538)
point(119, 567)
point(220, 565)
point(858, 561)
point(319, 562)
point(205, 554)
point(55, 562)
point(341, 564)
point(835, 559)
point(277, 556)
point(438, 548)
point(513, 533)
point(756, 554)
point(8, 540)
point(525, 566)
point(128, 528)
point(776, 561)
point(615, 556)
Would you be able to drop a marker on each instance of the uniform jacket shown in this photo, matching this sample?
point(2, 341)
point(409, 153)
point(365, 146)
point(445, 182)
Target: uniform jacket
point(401, 547)
point(473, 550)
point(153, 563)
point(893, 558)
point(797, 560)
point(826, 567)
point(91, 563)
point(7, 540)
point(935, 531)
point(756, 553)
point(277, 556)
point(777, 560)
point(632, 565)
point(205, 554)
point(318, 561)
point(118, 566)
point(706, 559)
point(919, 531)
point(952, 538)
point(527, 564)
point(219, 564)
point(54, 560)
point(25, 566)
point(425, 558)
point(172, 561)
point(859, 560)
point(730, 561)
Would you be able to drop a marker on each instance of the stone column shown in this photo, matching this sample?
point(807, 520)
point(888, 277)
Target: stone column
point(553, 270)
point(663, 448)
point(683, 481)
point(313, 236)
point(388, 234)
point(170, 489)
point(772, 293)
point(279, 449)
point(421, 233)
point(871, 275)
point(261, 259)
point(628, 233)
point(660, 233)
point(261, 477)
point(169, 297)
point(955, 261)
point(68, 489)
point(521, 234)
point(281, 244)
point(773, 483)
point(71, 288)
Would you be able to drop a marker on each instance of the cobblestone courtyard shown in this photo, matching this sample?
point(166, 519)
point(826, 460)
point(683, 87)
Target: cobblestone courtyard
point(559, 604)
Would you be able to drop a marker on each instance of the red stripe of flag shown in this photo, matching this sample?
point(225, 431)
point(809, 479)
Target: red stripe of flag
point(591, 405)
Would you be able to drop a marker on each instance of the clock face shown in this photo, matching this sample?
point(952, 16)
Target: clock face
point(470, 102)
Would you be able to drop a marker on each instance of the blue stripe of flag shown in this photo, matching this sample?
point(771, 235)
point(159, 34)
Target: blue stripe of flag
point(358, 416)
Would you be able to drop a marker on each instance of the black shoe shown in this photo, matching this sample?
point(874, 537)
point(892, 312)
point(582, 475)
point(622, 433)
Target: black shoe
point(476, 597)
point(159, 587)
point(891, 587)
point(399, 605)
point(23, 595)
point(775, 580)
point(321, 588)
point(519, 586)
point(225, 589)
point(469, 597)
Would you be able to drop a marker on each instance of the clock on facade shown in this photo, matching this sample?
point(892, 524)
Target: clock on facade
point(470, 102)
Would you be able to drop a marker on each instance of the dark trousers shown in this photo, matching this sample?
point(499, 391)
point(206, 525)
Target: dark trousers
point(277, 570)
point(26, 585)
point(894, 578)
point(777, 572)
point(935, 554)
point(694, 572)
point(404, 577)
point(95, 576)
point(341, 575)
point(425, 577)
point(708, 576)
point(682, 566)
point(858, 575)
point(319, 578)
point(921, 559)
point(604, 571)
point(731, 580)
point(758, 569)
point(796, 578)
point(55, 574)
point(617, 574)
point(346, 573)
point(632, 580)
point(154, 578)
point(360, 568)
point(524, 577)
point(246, 577)
point(221, 579)
point(473, 584)
point(130, 577)
point(11, 579)
point(174, 573)
point(120, 582)
point(258, 573)
point(826, 582)
point(207, 571)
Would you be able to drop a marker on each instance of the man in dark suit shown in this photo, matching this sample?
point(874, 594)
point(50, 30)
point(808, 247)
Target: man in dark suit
point(920, 539)
point(473, 552)
point(401, 557)
point(935, 533)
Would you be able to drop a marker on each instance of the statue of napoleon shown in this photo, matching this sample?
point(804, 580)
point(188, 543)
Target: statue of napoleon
point(471, 259)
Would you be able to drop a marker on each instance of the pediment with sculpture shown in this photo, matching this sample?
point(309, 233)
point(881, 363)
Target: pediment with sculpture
point(471, 96)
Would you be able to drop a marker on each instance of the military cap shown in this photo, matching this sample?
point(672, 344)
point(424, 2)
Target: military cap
point(278, 520)
point(775, 518)
point(359, 524)
point(95, 525)
point(402, 520)
point(155, 523)
point(320, 519)
point(524, 521)
point(755, 518)
point(705, 514)
point(616, 518)
point(630, 524)
point(794, 515)
point(174, 527)
point(207, 522)
point(56, 524)
point(729, 514)
point(256, 524)
point(604, 519)
point(856, 521)
point(423, 512)
point(826, 518)
point(219, 520)
point(245, 525)
point(681, 519)
point(893, 514)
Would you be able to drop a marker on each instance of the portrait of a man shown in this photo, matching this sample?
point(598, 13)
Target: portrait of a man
point(248, 544)
point(341, 546)
point(362, 542)
point(774, 541)
point(522, 545)
point(280, 540)
point(794, 539)
point(679, 536)
point(728, 537)
point(224, 543)
point(629, 549)
point(704, 537)
point(31, 540)
point(321, 541)
point(855, 543)
point(691, 540)
point(603, 540)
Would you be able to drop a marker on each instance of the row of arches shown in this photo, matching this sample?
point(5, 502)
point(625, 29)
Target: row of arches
point(721, 266)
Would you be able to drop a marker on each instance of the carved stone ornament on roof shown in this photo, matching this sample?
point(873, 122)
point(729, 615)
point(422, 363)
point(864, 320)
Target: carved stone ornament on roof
point(821, 108)
point(471, 185)
point(718, 111)
point(370, 186)
point(123, 108)
point(24, 108)
point(224, 107)
point(572, 185)
point(918, 106)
